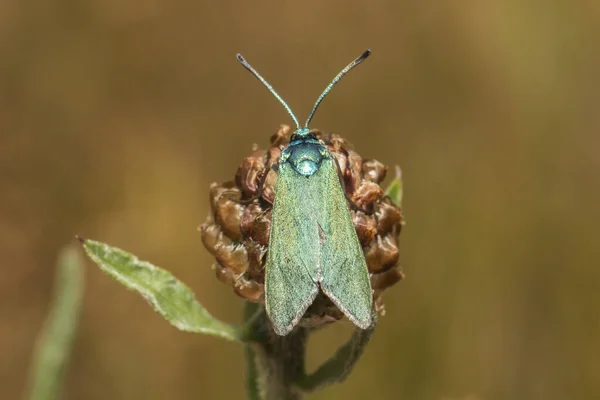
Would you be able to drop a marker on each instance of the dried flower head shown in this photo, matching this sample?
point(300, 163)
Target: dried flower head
point(238, 234)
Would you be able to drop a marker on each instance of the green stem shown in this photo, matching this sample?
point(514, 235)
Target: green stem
point(54, 342)
point(275, 363)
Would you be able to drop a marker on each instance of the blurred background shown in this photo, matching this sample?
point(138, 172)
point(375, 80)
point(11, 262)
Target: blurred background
point(116, 116)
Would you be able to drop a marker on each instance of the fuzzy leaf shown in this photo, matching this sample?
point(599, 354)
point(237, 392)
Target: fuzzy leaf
point(167, 295)
point(54, 342)
point(394, 190)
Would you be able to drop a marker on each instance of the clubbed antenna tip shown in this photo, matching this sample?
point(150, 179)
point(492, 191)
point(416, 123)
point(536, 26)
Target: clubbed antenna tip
point(335, 80)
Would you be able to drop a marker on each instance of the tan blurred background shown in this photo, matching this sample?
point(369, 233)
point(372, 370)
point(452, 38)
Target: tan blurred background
point(116, 116)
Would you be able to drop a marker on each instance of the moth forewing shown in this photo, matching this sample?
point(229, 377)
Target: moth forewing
point(344, 274)
point(291, 276)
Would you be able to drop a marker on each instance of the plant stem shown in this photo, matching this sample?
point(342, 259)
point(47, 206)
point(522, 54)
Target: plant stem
point(275, 363)
point(54, 342)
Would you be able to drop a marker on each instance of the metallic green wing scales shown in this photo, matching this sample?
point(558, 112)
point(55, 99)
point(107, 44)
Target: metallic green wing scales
point(313, 244)
point(344, 274)
point(291, 278)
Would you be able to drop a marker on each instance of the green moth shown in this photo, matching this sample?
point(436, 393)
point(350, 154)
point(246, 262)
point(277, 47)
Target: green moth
point(313, 245)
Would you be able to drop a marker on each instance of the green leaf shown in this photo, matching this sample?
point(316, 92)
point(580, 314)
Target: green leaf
point(54, 342)
point(394, 190)
point(169, 296)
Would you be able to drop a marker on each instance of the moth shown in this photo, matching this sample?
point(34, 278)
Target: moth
point(313, 244)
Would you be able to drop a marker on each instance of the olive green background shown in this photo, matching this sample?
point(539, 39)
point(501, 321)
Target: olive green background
point(115, 116)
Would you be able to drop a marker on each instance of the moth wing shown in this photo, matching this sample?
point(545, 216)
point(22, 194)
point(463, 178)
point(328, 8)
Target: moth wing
point(291, 277)
point(345, 277)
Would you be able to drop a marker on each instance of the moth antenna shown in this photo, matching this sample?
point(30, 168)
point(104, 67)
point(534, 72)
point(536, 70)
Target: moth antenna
point(245, 64)
point(335, 80)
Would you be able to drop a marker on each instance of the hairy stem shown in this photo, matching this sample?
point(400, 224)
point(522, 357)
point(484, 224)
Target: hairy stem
point(275, 363)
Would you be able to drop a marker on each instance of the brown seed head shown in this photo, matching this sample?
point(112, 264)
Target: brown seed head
point(238, 234)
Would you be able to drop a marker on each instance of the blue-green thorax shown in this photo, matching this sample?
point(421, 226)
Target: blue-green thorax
point(304, 153)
